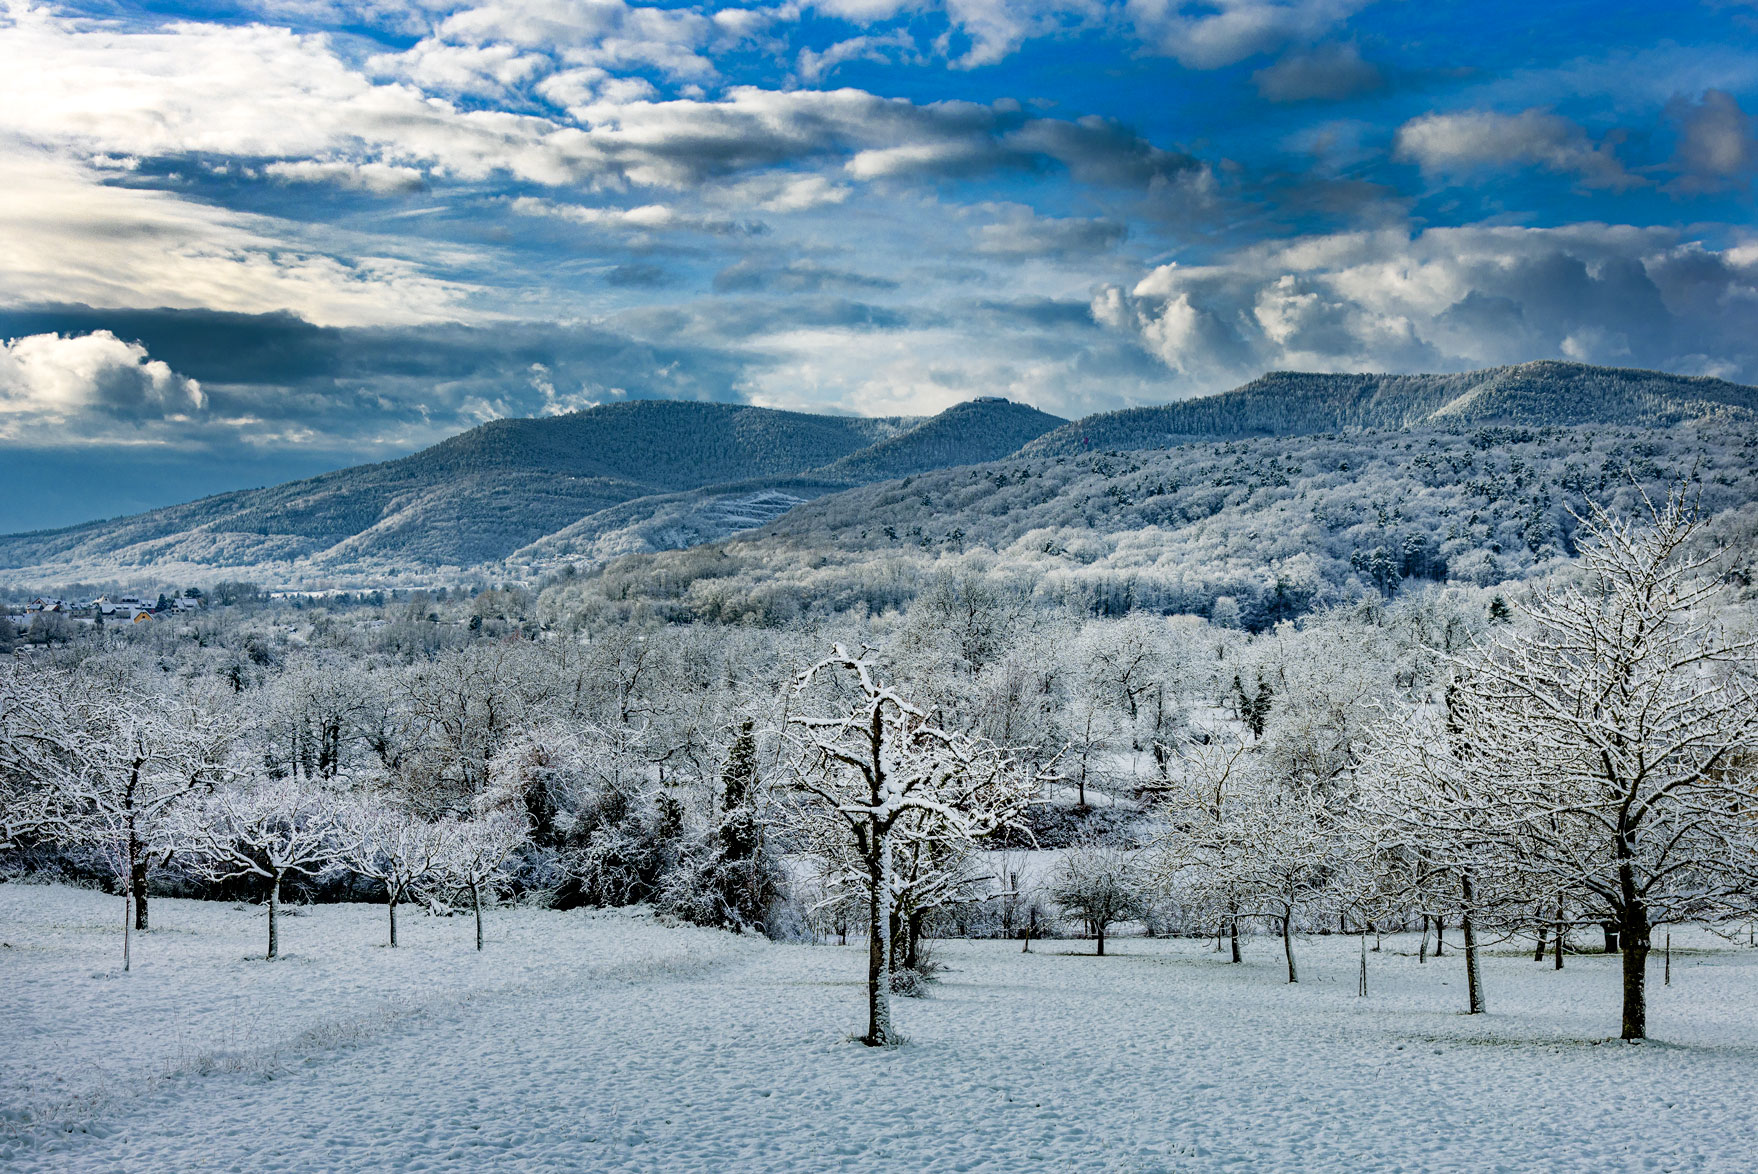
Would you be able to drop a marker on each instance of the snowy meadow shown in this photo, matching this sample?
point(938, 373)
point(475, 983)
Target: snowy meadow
point(583, 1040)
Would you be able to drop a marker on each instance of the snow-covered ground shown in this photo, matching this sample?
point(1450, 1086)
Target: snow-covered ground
point(585, 1041)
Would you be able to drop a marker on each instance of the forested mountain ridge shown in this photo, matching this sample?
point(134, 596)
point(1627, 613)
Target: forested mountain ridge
point(1245, 532)
point(1290, 403)
point(479, 497)
point(967, 433)
point(633, 478)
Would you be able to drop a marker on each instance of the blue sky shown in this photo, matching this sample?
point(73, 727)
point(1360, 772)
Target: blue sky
point(251, 240)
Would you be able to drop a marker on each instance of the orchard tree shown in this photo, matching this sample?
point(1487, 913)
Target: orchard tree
point(39, 749)
point(1606, 744)
point(474, 854)
point(269, 830)
point(1254, 844)
point(1101, 884)
point(135, 758)
point(395, 846)
point(867, 760)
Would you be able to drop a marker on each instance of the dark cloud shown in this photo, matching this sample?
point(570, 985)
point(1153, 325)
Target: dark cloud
point(358, 386)
point(638, 276)
point(1326, 73)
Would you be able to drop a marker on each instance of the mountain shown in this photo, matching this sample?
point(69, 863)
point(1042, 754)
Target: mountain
point(1289, 403)
point(1249, 532)
point(481, 496)
point(964, 434)
point(650, 476)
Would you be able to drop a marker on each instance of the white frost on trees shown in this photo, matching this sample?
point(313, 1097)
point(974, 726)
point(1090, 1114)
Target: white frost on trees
point(1603, 751)
point(269, 830)
point(869, 760)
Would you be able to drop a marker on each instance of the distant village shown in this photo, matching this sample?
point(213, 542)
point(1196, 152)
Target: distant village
point(46, 611)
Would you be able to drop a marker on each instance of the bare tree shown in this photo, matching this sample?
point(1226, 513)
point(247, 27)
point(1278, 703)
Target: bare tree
point(268, 830)
point(135, 758)
point(475, 852)
point(869, 761)
point(1250, 844)
point(394, 846)
point(1100, 884)
point(1603, 750)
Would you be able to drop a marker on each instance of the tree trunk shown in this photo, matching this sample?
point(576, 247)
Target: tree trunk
point(1611, 936)
point(1440, 936)
point(1473, 974)
point(391, 901)
point(913, 954)
point(476, 907)
point(879, 946)
point(1422, 955)
point(138, 873)
point(1288, 945)
point(1538, 951)
point(1099, 928)
point(127, 924)
point(1633, 932)
point(274, 910)
point(1557, 938)
point(1233, 933)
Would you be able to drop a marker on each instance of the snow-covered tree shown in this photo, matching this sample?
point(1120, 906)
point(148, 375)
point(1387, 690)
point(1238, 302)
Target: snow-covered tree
point(135, 759)
point(38, 758)
point(474, 853)
point(867, 759)
point(267, 829)
point(1603, 749)
point(1248, 843)
point(395, 846)
point(1101, 884)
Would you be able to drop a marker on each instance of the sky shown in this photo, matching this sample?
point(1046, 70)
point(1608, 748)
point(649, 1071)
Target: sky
point(248, 240)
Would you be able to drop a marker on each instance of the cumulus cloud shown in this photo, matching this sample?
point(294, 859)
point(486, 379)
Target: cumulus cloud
point(1448, 299)
point(270, 93)
point(48, 381)
point(1717, 147)
point(1449, 144)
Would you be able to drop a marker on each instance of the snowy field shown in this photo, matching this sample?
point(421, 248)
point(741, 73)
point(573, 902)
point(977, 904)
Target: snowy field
point(583, 1041)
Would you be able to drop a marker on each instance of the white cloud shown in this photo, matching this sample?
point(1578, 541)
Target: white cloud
point(1717, 146)
point(48, 381)
point(1454, 143)
point(71, 237)
point(378, 178)
point(1447, 299)
point(1211, 34)
point(640, 219)
point(253, 91)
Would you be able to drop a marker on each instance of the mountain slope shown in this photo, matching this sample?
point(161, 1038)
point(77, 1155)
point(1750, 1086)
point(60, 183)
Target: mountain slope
point(632, 471)
point(964, 434)
point(468, 500)
point(1285, 403)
